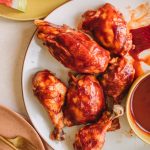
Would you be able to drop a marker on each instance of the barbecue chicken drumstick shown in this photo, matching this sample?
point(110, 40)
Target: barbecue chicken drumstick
point(74, 49)
point(92, 137)
point(109, 29)
point(51, 93)
point(84, 100)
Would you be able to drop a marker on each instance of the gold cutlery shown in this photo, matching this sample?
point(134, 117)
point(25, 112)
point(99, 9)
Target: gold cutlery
point(18, 143)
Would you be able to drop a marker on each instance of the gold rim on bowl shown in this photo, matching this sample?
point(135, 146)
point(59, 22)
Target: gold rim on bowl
point(139, 132)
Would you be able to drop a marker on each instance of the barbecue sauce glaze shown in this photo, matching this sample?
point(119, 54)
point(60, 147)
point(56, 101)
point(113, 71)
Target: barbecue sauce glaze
point(140, 105)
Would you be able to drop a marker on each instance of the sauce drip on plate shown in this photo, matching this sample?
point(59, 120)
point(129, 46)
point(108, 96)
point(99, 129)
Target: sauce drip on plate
point(140, 105)
point(139, 16)
point(139, 25)
point(141, 52)
point(141, 40)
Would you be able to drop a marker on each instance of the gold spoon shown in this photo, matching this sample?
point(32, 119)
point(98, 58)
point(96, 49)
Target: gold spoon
point(18, 143)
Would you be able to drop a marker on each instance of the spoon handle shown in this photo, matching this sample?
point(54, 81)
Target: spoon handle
point(3, 139)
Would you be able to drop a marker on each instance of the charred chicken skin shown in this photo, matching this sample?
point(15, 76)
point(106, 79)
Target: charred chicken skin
point(92, 137)
point(74, 49)
point(109, 29)
point(118, 78)
point(51, 93)
point(84, 100)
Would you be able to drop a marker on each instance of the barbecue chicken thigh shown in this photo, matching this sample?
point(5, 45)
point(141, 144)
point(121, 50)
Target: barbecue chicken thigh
point(74, 49)
point(84, 100)
point(118, 78)
point(109, 29)
point(92, 137)
point(51, 93)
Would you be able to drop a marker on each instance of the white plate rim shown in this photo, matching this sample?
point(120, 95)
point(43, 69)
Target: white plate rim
point(22, 70)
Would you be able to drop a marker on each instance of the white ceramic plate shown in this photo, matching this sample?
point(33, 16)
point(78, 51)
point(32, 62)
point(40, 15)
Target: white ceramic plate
point(38, 58)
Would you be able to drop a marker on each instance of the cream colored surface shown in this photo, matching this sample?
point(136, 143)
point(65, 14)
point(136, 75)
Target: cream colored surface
point(14, 39)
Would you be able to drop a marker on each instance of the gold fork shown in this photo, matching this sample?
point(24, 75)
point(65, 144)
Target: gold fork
point(18, 143)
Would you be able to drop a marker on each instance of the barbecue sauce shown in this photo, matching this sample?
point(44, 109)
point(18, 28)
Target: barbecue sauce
point(141, 41)
point(140, 105)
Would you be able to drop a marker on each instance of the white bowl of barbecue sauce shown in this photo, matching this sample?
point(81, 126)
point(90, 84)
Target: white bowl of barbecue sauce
point(138, 107)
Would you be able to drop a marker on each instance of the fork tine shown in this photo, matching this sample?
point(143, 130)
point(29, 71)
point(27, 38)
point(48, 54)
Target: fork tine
point(29, 146)
point(19, 143)
point(24, 144)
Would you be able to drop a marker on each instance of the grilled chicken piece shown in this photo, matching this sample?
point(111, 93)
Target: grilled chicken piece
point(118, 78)
point(92, 137)
point(74, 49)
point(84, 100)
point(51, 93)
point(109, 29)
